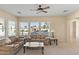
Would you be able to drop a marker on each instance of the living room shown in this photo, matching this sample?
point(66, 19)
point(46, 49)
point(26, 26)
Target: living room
point(58, 21)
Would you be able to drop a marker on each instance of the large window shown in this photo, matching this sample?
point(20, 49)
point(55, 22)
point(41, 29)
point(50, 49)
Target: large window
point(2, 27)
point(39, 28)
point(23, 28)
point(8, 28)
point(11, 28)
point(34, 26)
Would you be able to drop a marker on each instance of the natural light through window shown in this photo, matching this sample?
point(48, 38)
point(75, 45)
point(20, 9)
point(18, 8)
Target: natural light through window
point(2, 27)
point(44, 27)
point(23, 28)
point(34, 26)
point(11, 28)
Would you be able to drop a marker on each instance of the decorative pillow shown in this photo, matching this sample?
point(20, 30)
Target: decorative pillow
point(7, 41)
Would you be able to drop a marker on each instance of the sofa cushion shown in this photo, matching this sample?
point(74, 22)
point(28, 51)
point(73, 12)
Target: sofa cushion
point(7, 41)
point(19, 42)
point(42, 37)
point(13, 39)
point(11, 45)
point(16, 45)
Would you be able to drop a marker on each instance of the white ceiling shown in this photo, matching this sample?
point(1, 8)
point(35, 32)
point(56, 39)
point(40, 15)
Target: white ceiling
point(55, 9)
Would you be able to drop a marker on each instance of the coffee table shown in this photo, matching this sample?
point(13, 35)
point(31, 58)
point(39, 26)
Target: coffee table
point(39, 45)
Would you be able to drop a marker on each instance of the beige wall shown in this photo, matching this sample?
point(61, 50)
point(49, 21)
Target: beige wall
point(59, 26)
point(57, 23)
point(70, 19)
point(7, 15)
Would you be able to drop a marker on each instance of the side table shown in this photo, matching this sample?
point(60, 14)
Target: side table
point(53, 39)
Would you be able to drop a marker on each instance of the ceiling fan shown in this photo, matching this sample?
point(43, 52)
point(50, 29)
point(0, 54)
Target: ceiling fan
point(41, 9)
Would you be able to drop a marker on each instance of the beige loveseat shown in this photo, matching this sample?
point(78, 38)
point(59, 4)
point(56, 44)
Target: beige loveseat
point(11, 47)
point(40, 38)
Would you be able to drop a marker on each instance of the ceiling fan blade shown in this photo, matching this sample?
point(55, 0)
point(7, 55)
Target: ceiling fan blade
point(46, 7)
point(44, 11)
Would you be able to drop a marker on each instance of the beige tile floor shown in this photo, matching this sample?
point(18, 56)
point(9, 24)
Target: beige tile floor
point(61, 49)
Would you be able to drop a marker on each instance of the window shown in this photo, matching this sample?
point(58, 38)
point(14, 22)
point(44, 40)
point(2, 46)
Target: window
point(2, 27)
point(24, 28)
point(44, 27)
point(34, 26)
point(11, 28)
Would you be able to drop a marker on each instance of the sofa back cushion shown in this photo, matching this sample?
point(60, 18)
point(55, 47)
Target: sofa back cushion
point(33, 36)
point(42, 36)
point(37, 37)
point(13, 39)
point(7, 41)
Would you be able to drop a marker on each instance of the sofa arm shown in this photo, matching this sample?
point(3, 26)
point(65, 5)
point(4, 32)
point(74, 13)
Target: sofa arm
point(6, 48)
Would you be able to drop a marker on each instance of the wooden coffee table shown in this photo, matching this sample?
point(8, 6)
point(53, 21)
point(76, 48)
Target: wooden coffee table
point(39, 45)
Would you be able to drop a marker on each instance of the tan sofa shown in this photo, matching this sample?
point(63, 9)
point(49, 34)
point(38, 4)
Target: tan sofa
point(40, 38)
point(11, 47)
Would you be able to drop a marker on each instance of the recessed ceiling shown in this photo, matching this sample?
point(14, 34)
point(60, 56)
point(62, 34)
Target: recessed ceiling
point(25, 9)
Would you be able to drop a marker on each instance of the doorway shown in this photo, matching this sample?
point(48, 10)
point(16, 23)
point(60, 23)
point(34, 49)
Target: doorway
point(74, 30)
